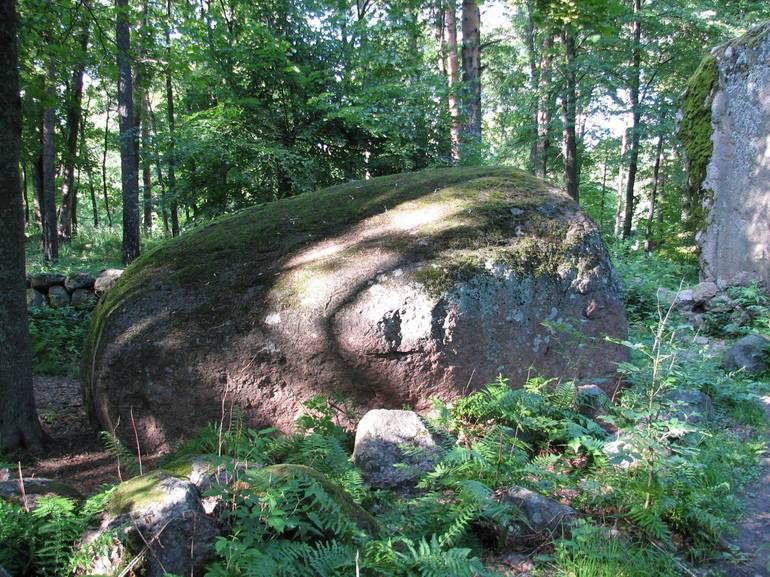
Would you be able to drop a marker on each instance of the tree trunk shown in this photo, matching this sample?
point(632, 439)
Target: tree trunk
point(37, 184)
point(24, 193)
point(453, 77)
point(621, 183)
point(649, 244)
point(543, 110)
point(48, 208)
point(159, 171)
point(141, 106)
point(171, 130)
point(86, 156)
point(603, 196)
point(104, 163)
point(19, 425)
point(146, 166)
point(67, 215)
point(633, 157)
point(129, 166)
point(472, 74)
point(569, 117)
point(530, 33)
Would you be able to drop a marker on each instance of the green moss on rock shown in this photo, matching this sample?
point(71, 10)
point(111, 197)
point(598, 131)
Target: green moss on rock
point(135, 493)
point(695, 134)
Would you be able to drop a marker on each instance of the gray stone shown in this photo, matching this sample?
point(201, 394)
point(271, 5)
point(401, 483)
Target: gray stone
point(542, 518)
point(592, 401)
point(721, 303)
point(79, 280)
point(58, 296)
point(35, 298)
point(163, 511)
point(704, 292)
point(750, 354)
point(106, 279)
point(394, 448)
point(735, 242)
point(700, 340)
point(688, 405)
point(83, 298)
point(34, 490)
point(45, 280)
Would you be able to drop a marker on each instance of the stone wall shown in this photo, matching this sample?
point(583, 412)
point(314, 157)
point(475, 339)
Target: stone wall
point(734, 195)
point(75, 289)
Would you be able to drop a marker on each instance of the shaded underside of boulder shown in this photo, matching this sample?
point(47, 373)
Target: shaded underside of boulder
point(390, 291)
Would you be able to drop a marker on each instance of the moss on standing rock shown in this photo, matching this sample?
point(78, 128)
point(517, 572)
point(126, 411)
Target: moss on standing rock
point(695, 133)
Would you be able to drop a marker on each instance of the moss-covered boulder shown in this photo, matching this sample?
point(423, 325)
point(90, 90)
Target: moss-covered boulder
point(156, 524)
point(391, 291)
point(724, 128)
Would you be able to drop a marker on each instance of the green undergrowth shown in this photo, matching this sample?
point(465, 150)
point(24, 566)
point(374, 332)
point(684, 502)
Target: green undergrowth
point(57, 336)
point(46, 541)
point(90, 250)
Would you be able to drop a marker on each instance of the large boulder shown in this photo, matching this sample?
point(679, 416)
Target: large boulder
point(394, 448)
point(725, 128)
point(389, 291)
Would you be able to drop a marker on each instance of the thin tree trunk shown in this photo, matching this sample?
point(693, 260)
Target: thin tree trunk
point(67, 214)
point(146, 166)
point(24, 192)
point(636, 112)
point(19, 425)
point(604, 195)
point(141, 106)
point(171, 130)
point(471, 25)
point(159, 171)
point(453, 77)
point(129, 166)
point(104, 164)
point(85, 155)
point(654, 193)
point(530, 33)
point(50, 233)
point(569, 117)
point(37, 185)
point(543, 110)
point(621, 183)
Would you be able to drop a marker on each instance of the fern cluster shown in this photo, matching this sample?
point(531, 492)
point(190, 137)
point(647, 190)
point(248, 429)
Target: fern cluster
point(45, 542)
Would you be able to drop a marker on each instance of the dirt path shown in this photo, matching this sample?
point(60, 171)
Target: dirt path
point(74, 454)
point(753, 538)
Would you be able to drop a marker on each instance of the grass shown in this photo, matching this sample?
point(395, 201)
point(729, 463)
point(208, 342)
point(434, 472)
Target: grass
point(91, 250)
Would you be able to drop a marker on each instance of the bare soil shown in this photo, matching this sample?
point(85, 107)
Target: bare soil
point(74, 454)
